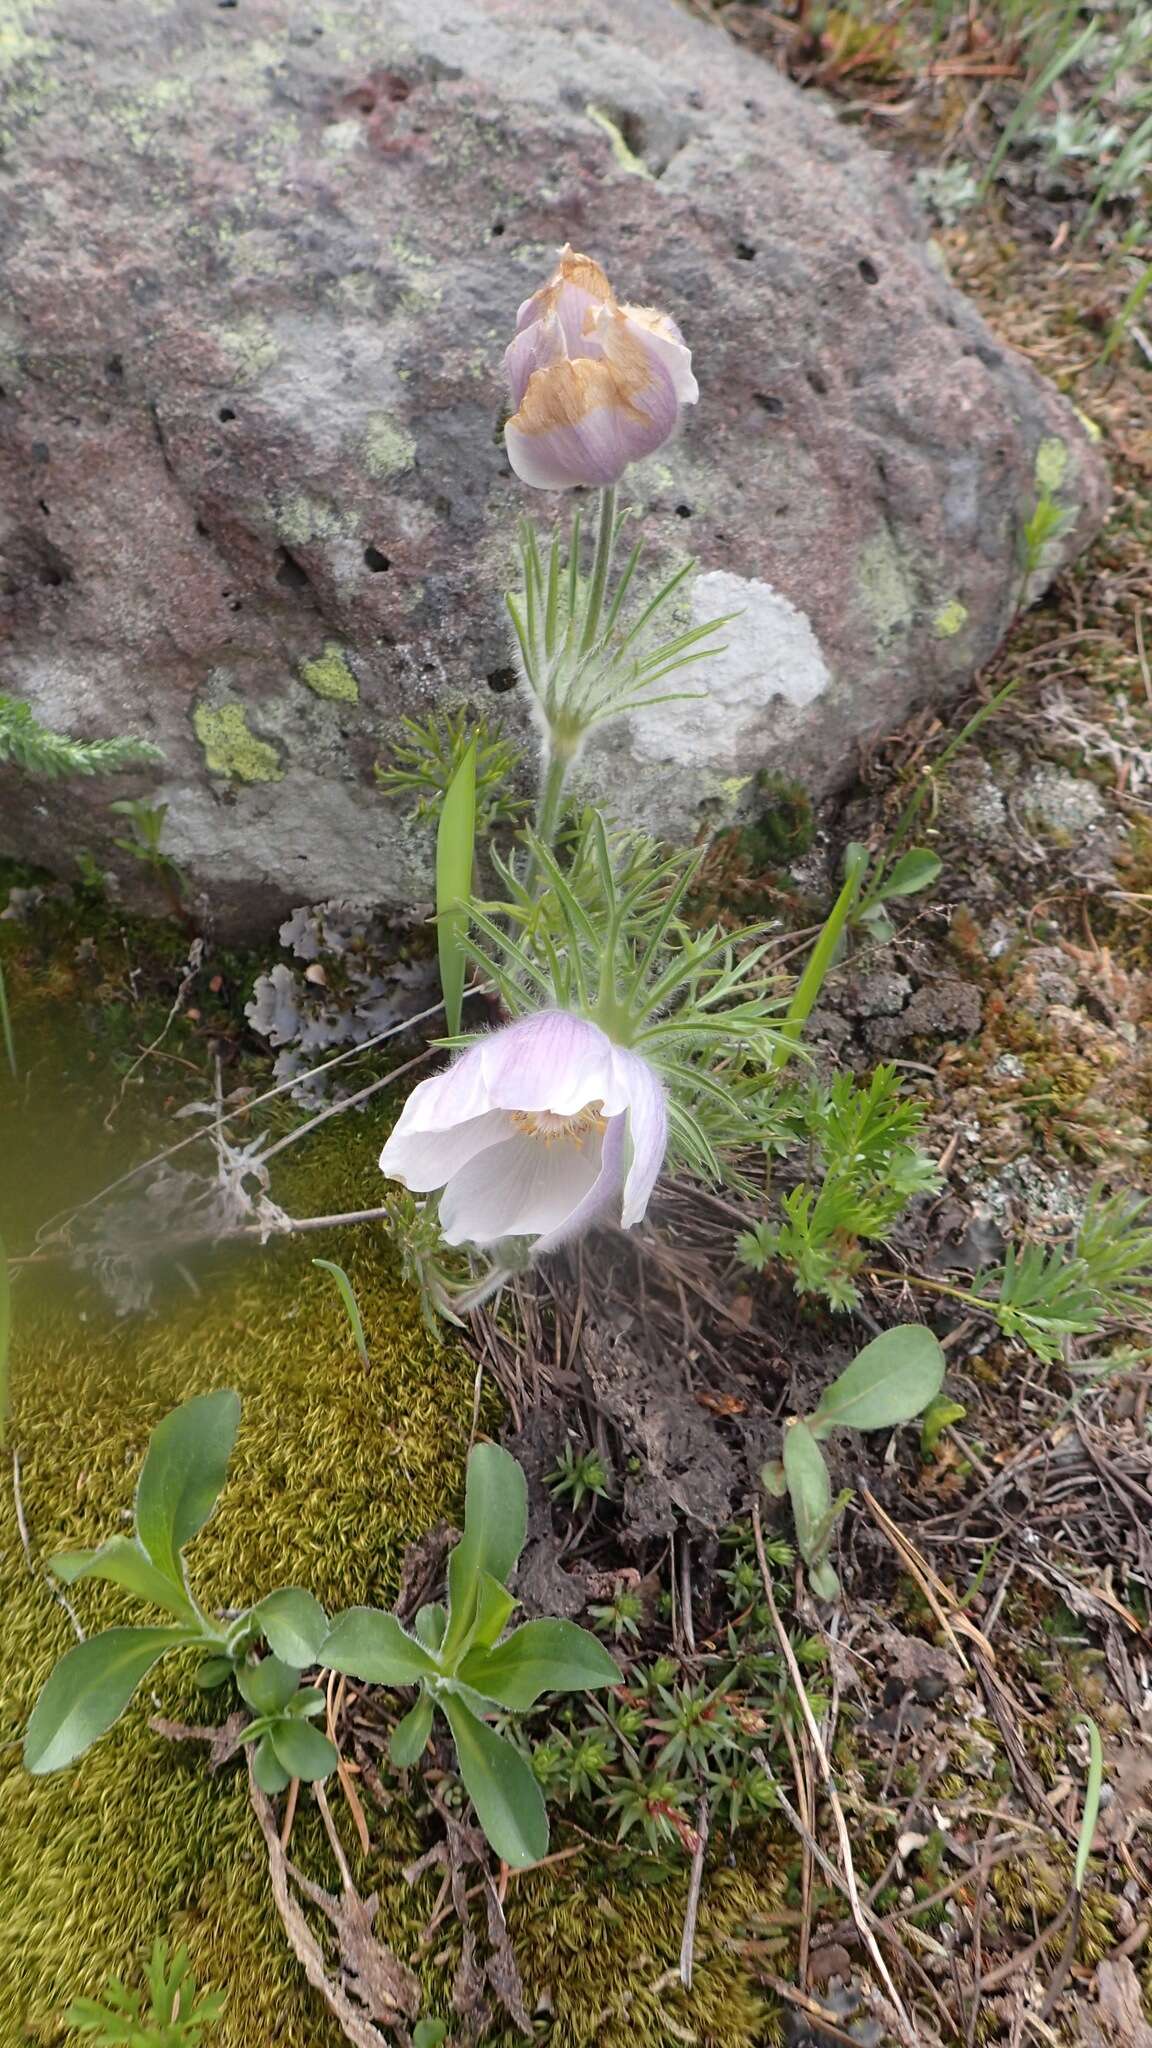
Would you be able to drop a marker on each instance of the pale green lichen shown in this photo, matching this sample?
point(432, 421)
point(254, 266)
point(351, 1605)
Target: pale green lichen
point(301, 519)
point(882, 581)
point(330, 676)
point(251, 348)
point(230, 748)
point(388, 447)
point(625, 157)
point(950, 619)
point(1051, 464)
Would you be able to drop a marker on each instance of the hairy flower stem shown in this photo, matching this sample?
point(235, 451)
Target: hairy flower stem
point(601, 568)
point(548, 809)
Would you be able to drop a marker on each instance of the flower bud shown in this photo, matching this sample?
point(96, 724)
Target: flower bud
point(595, 385)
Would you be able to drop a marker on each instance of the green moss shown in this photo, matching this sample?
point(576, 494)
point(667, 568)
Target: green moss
point(230, 748)
point(330, 676)
point(388, 448)
point(783, 832)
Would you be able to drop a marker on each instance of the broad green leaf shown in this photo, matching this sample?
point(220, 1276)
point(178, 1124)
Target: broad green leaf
point(307, 1702)
point(495, 1528)
point(410, 1736)
point(89, 1689)
point(5, 1292)
point(430, 1625)
point(889, 1382)
point(823, 1581)
point(540, 1657)
point(494, 1604)
point(772, 1479)
point(429, 2033)
point(302, 1750)
point(509, 1803)
point(915, 870)
point(455, 844)
point(267, 1769)
point(809, 1489)
point(1092, 1791)
point(122, 1562)
point(182, 1474)
point(369, 1644)
point(293, 1625)
point(351, 1306)
point(213, 1672)
point(268, 1686)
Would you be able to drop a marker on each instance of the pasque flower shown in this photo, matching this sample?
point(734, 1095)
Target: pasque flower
point(595, 385)
point(537, 1131)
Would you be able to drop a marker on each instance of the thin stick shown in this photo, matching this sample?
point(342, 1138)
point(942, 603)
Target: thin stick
point(859, 1915)
point(60, 1597)
point(692, 1908)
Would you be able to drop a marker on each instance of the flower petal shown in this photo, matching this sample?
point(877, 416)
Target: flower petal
point(664, 337)
point(647, 1133)
point(424, 1160)
point(601, 1196)
point(551, 1061)
point(534, 348)
point(583, 422)
point(521, 1188)
point(446, 1099)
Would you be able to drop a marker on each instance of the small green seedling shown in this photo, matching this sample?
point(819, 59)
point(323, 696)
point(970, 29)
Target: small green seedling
point(175, 2015)
point(463, 1665)
point(894, 1378)
point(908, 875)
point(180, 1481)
point(577, 1476)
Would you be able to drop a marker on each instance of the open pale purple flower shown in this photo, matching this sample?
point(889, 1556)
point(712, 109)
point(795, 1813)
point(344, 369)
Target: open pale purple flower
point(595, 385)
point(538, 1131)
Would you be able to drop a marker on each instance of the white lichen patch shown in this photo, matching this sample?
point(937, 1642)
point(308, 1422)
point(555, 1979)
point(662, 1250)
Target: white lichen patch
point(770, 671)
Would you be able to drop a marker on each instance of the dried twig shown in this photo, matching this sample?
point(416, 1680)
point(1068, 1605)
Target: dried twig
point(692, 1908)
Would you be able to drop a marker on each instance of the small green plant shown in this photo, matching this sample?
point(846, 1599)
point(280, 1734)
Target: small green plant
point(169, 2013)
point(893, 1379)
point(894, 876)
point(425, 764)
point(622, 1615)
point(872, 1170)
point(578, 1476)
point(144, 843)
point(466, 1668)
point(180, 1481)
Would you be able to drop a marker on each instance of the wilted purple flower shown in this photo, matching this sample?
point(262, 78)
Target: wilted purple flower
point(538, 1131)
point(595, 385)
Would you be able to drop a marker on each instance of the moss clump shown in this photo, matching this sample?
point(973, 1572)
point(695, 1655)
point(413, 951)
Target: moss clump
point(330, 676)
point(230, 748)
point(784, 830)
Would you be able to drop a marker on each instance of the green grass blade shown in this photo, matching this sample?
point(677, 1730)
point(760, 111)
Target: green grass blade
point(6, 1026)
point(351, 1305)
point(1092, 1791)
point(455, 843)
point(820, 960)
point(5, 1340)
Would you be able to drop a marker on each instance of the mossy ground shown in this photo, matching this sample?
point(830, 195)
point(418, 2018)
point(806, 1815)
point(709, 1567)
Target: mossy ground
point(335, 1471)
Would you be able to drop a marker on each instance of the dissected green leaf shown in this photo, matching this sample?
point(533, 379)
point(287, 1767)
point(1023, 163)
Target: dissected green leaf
point(122, 1562)
point(540, 1657)
point(89, 1689)
point(495, 1528)
point(890, 1381)
point(183, 1471)
point(499, 1782)
point(410, 1736)
point(293, 1624)
point(302, 1750)
point(369, 1644)
point(268, 1686)
point(455, 851)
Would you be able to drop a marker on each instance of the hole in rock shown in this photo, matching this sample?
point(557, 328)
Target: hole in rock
point(683, 511)
point(768, 403)
point(818, 382)
point(497, 227)
point(374, 560)
point(225, 413)
point(868, 270)
point(289, 574)
point(745, 251)
point(501, 679)
point(114, 368)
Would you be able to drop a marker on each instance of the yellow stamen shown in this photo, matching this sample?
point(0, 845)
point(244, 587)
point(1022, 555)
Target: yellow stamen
point(551, 1128)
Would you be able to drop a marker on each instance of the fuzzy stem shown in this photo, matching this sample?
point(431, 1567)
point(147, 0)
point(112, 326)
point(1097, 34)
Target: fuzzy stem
point(548, 809)
point(601, 565)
